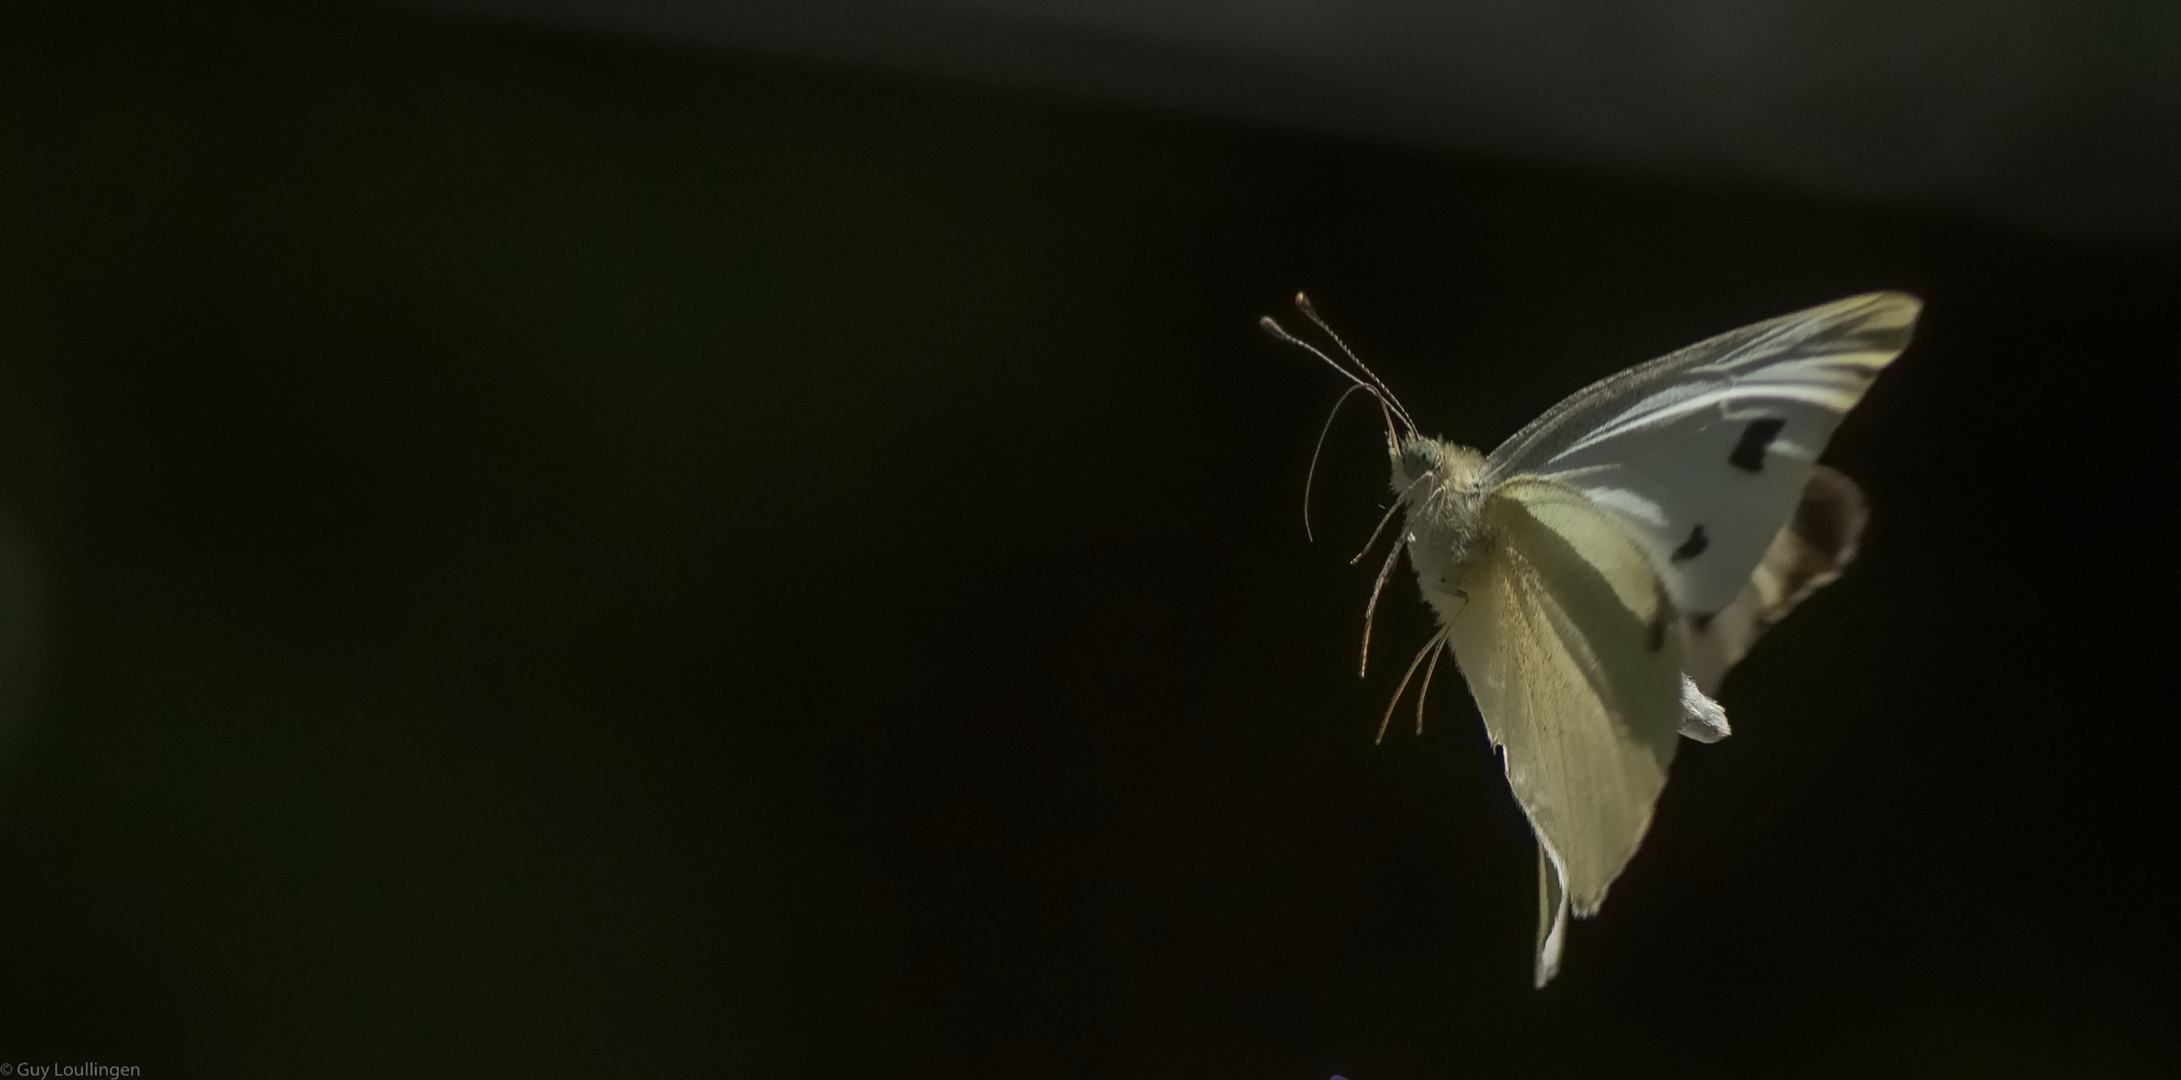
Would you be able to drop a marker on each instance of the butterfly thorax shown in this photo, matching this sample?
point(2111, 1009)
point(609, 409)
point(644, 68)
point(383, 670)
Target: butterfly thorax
point(1441, 485)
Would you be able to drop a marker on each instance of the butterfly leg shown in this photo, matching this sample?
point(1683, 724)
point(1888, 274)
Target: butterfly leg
point(1430, 649)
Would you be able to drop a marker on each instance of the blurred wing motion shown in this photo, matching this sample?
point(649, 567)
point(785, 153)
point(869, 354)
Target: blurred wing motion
point(1708, 452)
point(1570, 645)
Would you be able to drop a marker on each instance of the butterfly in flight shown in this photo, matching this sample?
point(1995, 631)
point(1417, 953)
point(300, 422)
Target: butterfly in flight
point(1597, 574)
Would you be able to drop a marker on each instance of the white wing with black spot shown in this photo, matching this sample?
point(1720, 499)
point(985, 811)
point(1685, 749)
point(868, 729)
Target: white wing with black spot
point(1706, 451)
point(1809, 552)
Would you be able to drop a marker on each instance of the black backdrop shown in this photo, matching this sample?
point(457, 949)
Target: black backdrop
point(534, 555)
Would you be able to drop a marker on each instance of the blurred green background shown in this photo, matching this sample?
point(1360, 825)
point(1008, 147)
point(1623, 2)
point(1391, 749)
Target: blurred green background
point(531, 554)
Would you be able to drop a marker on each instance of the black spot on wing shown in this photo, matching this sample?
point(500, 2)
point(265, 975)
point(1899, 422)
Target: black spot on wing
point(1700, 621)
point(1658, 632)
point(1693, 546)
point(1748, 454)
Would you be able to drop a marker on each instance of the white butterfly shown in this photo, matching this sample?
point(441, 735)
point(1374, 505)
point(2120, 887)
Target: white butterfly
point(1599, 572)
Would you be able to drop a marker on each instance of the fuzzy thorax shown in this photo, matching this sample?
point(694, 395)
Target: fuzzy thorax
point(1440, 485)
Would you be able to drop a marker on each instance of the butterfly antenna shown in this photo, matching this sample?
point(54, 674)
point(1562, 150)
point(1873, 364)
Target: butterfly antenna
point(1430, 649)
point(1312, 475)
point(1368, 609)
point(1276, 330)
point(1302, 303)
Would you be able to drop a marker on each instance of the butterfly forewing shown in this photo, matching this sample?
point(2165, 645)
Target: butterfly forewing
point(1706, 451)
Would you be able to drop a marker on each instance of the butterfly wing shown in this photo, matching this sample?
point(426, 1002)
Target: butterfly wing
point(1706, 451)
point(1807, 554)
point(1572, 649)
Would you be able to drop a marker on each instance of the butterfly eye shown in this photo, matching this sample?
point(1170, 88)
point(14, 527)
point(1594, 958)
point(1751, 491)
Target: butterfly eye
point(1419, 456)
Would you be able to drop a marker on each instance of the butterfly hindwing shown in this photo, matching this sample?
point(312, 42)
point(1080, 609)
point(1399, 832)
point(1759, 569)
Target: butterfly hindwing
point(1707, 451)
point(1573, 651)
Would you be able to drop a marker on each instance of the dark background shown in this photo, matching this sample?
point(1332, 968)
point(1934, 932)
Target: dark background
point(531, 554)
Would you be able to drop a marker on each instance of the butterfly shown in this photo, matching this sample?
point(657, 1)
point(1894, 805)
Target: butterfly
point(1598, 573)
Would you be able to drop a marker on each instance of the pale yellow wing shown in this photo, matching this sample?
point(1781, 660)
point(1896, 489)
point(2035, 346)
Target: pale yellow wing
point(1573, 652)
